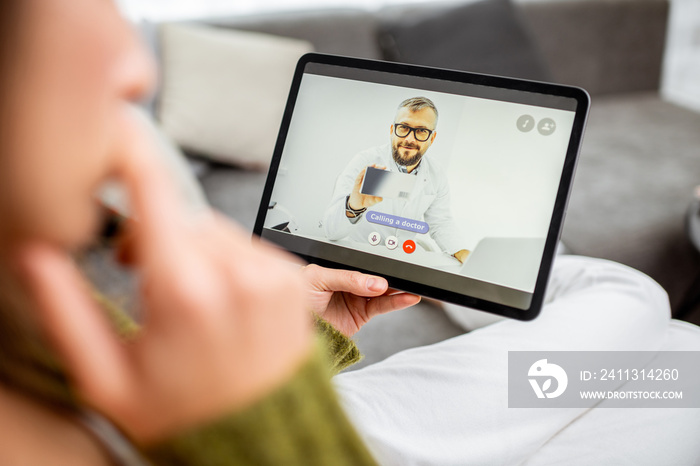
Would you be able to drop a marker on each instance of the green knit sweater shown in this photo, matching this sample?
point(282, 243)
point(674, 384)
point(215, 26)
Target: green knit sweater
point(300, 423)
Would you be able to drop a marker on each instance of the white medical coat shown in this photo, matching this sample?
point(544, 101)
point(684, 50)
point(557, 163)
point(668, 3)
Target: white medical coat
point(429, 202)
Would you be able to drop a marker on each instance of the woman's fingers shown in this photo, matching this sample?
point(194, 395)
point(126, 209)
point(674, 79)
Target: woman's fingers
point(360, 284)
point(72, 322)
point(395, 302)
point(218, 310)
point(164, 230)
point(159, 213)
point(392, 291)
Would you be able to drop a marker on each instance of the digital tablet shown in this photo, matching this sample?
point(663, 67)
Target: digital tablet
point(451, 185)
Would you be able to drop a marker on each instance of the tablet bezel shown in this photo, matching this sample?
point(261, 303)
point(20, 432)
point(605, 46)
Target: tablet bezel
point(563, 193)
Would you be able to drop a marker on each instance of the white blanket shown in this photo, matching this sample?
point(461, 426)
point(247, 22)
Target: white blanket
point(446, 404)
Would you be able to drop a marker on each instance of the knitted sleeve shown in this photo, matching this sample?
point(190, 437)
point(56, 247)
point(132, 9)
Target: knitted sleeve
point(301, 423)
point(341, 350)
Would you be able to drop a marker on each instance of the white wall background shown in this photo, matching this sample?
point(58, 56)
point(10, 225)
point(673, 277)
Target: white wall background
point(503, 182)
point(332, 123)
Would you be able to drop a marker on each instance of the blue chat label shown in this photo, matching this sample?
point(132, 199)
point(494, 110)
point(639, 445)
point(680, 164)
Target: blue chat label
point(395, 221)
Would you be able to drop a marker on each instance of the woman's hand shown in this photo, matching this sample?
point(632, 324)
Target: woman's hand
point(225, 322)
point(348, 300)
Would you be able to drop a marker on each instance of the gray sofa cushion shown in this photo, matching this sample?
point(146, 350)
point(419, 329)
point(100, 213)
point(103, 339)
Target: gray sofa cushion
point(604, 46)
point(484, 37)
point(635, 178)
point(235, 192)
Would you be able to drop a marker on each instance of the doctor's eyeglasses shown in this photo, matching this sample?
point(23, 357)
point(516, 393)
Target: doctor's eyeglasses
point(421, 134)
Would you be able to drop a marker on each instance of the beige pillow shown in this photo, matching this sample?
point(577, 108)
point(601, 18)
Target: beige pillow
point(224, 91)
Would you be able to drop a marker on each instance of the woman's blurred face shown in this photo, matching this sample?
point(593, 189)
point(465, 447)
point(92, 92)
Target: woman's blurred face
point(78, 65)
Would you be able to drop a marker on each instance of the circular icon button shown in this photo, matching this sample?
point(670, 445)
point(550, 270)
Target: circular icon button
point(409, 246)
point(391, 242)
point(374, 238)
point(525, 123)
point(546, 126)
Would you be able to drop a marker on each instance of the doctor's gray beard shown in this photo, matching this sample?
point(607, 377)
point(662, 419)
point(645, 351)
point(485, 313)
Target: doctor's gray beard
point(406, 162)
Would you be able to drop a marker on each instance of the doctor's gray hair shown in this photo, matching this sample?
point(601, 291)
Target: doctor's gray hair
point(415, 104)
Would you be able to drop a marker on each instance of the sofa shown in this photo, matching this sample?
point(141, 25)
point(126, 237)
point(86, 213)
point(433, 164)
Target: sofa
point(639, 161)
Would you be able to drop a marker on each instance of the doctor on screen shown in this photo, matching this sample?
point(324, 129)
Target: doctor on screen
point(412, 134)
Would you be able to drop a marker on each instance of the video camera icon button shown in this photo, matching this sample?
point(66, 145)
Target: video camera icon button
point(374, 238)
point(391, 242)
point(409, 246)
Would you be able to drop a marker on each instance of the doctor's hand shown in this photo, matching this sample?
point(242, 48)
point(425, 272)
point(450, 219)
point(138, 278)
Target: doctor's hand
point(348, 300)
point(461, 255)
point(357, 200)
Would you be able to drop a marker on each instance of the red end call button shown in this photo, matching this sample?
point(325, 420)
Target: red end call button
point(409, 246)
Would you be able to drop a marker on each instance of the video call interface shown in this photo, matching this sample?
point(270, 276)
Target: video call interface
point(445, 183)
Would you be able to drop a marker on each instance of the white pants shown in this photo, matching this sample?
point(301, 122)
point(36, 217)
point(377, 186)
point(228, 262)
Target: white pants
point(447, 404)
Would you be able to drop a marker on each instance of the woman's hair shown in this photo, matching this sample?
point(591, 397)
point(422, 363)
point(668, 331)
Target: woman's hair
point(24, 362)
point(9, 36)
point(10, 27)
point(10, 18)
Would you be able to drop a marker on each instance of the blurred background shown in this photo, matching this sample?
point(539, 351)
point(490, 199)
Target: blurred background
point(179, 9)
point(226, 67)
point(681, 67)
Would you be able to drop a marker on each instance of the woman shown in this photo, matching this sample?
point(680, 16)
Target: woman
point(225, 369)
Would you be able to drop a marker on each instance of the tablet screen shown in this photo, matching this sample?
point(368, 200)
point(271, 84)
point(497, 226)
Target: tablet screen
point(452, 188)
